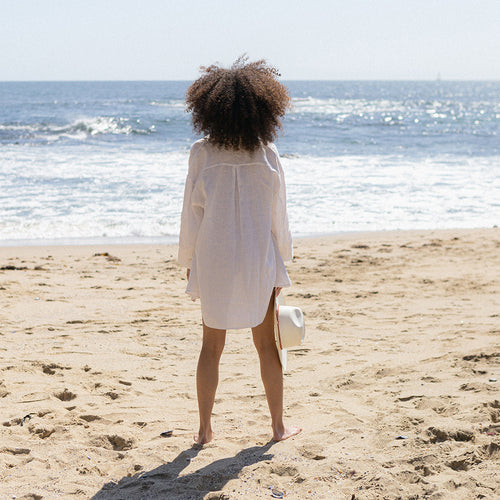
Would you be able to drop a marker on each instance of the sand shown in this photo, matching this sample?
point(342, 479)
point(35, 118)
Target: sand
point(395, 385)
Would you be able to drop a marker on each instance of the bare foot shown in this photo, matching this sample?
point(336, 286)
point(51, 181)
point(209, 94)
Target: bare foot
point(287, 432)
point(203, 438)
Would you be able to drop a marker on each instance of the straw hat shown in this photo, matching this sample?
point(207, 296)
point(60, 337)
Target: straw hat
point(289, 327)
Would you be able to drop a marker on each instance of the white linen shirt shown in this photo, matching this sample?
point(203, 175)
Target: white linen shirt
point(234, 233)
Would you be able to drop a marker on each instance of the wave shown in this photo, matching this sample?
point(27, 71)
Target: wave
point(171, 103)
point(79, 130)
point(139, 195)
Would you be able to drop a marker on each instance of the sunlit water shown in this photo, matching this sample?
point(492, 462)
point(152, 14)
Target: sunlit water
point(107, 161)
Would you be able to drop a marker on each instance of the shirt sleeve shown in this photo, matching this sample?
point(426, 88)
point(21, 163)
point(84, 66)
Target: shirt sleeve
point(192, 213)
point(280, 226)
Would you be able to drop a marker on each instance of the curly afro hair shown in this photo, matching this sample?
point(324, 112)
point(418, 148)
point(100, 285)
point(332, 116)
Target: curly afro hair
point(240, 107)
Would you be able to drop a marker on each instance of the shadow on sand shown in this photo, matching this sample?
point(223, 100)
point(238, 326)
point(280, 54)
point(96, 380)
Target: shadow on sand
point(166, 482)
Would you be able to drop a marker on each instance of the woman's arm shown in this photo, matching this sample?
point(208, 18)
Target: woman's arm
point(192, 211)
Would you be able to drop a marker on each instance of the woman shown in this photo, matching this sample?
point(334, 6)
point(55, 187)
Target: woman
point(234, 235)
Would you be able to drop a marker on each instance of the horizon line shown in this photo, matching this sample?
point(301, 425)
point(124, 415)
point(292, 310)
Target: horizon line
point(284, 80)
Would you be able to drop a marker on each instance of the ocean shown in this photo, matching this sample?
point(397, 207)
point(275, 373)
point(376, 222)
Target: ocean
point(86, 162)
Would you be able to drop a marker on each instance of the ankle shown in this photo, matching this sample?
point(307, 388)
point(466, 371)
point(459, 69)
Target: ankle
point(204, 436)
point(278, 427)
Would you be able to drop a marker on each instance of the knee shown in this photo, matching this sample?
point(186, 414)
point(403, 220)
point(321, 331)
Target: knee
point(264, 344)
point(212, 349)
point(213, 341)
point(213, 345)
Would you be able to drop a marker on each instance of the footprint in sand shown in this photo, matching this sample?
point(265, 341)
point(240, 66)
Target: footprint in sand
point(439, 435)
point(65, 395)
point(41, 432)
point(477, 387)
point(491, 450)
point(312, 451)
point(90, 418)
point(482, 356)
point(15, 451)
point(50, 368)
point(464, 462)
point(494, 410)
point(284, 470)
point(427, 465)
point(114, 442)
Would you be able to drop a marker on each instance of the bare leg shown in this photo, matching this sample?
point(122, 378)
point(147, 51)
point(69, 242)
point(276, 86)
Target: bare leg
point(272, 375)
point(207, 378)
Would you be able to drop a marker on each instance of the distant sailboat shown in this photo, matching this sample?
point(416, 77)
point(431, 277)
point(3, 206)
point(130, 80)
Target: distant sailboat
point(438, 77)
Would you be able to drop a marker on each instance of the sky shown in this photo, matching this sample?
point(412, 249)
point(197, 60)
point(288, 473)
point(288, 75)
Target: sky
point(304, 39)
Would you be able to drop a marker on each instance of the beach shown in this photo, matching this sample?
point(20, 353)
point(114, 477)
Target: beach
point(395, 386)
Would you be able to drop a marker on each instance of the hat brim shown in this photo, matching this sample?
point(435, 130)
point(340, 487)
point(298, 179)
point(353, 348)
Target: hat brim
point(279, 300)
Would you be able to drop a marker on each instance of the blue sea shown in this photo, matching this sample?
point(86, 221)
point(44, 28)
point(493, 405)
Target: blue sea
point(84, 162)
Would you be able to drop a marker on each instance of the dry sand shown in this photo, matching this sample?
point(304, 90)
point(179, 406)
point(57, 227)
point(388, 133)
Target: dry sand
point(395, 386)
